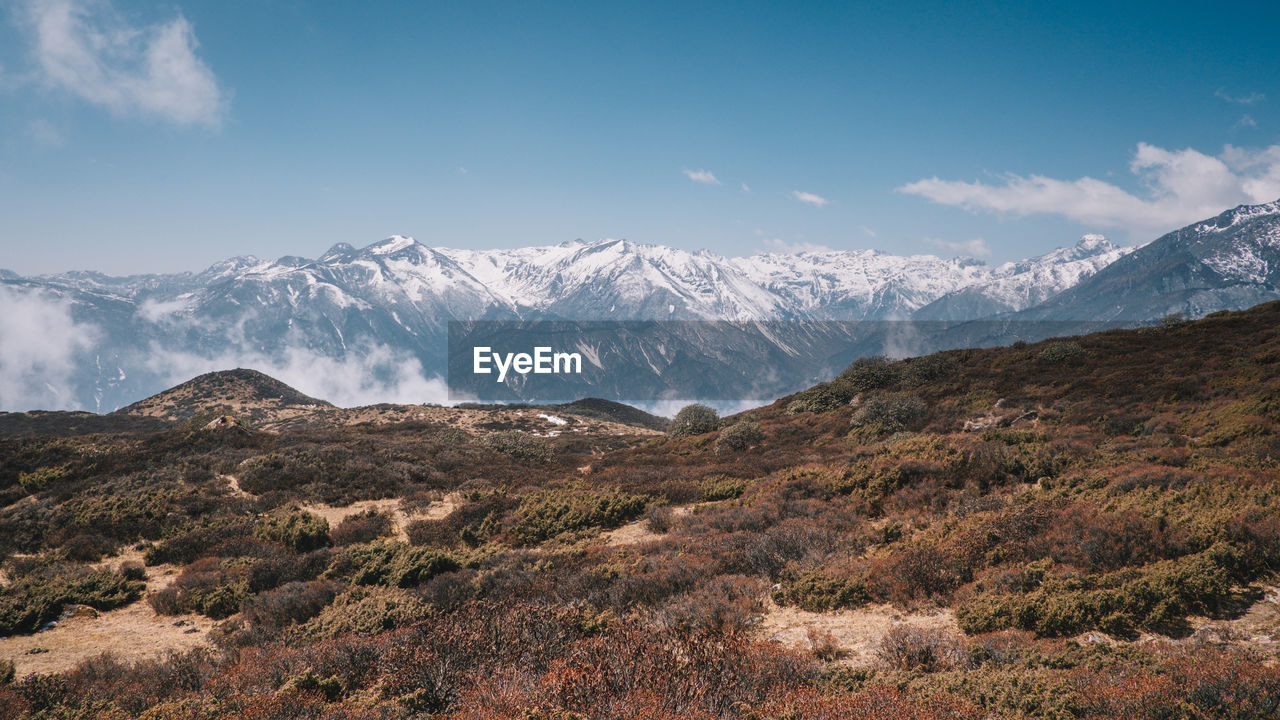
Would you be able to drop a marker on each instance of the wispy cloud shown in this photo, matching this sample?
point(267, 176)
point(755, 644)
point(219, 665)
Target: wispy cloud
point(977, 247)
point(40, 348)
point(372, 374)
point(1251, 98)
point(1182, 186)
point(1245, 121)
point(782, 246)
point(702, 176)
point(867, 231)
point(746, 188)
point(85, 48)
point(809, 198)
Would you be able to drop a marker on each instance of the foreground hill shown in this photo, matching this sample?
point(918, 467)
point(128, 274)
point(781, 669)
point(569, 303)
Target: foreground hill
point(1083, 527)
point(249, 396)
point(241, 392)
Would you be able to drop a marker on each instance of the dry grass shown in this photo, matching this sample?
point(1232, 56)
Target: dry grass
point(856, 633)
point(400, 519)
point(637, 532)
point(134, 632)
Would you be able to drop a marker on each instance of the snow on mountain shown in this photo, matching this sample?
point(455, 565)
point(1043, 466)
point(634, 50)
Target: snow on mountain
point(393, 299)
point(1019, 285)
point(1229, 262)
point(858, 284)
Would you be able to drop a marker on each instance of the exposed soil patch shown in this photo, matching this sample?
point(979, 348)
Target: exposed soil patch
point(857, 633)
point(134, 632)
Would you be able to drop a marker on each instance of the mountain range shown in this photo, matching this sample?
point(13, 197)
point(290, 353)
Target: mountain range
point(361, 325)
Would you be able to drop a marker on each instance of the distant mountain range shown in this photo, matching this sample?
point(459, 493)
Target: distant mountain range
point(354, 323)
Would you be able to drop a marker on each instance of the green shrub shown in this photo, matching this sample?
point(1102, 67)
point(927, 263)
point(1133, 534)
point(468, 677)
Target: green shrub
point(37, 480)
point(889, 411)
point(823, 397)
point(361, 528)
point(740, 436)
point(694, 420)
point(1157, 597)
point(296, 529)
point(815, 591)
point(544, 515)
point(40, 595)
point(928, 369)
point(390, 564)
point(870, 373)
point(364, 611)
point(719, 487)
point(519, 444)
point(1065, 352)
point(7, 672)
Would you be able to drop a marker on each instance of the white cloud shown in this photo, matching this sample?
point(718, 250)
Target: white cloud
point(977, 247)
point(87, 49)
point(809, 198)
point(1249, 99)
point(780, 245)
point(1181, 186)
point(702, 176)
point(867, 231)
point(39, 346)
point(376, 374)
point(746, 188)
point(1245, 121)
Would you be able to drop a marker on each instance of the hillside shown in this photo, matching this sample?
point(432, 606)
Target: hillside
point(240, 392)
point(1082, 527)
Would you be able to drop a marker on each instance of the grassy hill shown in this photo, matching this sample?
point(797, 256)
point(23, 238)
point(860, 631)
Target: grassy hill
point(241, 392)
point(1081, 527)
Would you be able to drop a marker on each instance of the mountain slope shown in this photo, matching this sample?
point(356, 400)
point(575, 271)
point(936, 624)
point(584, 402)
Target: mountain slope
point(1020, 285)
point(240, 392)
point(1229, 262)
point(368, 325)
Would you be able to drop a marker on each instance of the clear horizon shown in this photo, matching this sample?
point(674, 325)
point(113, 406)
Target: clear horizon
point(145, 137)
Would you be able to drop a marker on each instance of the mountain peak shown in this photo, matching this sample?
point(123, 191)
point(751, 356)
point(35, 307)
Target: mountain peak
point(240, 392)
point(395, 243)
point(1094, 241)
point(339, 250)
point(1236, 215)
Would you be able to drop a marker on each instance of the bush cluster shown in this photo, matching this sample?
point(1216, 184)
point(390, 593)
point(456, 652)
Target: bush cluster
point(295, 529)
point(890, 411)
point(390, 564)
point(694, 420)
point(547, 514)
point(39, 596)
point(740, 436)
point(518, 444)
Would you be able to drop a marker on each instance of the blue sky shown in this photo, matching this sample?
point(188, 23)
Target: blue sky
point(140, 137)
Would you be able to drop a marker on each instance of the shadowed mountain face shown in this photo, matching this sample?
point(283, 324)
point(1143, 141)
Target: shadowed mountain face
point(359, 326)
point(1228, 262)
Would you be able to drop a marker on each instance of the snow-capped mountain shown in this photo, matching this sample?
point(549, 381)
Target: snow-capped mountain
point(1228, 262)
point(1019, 285)
point(381, 313)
